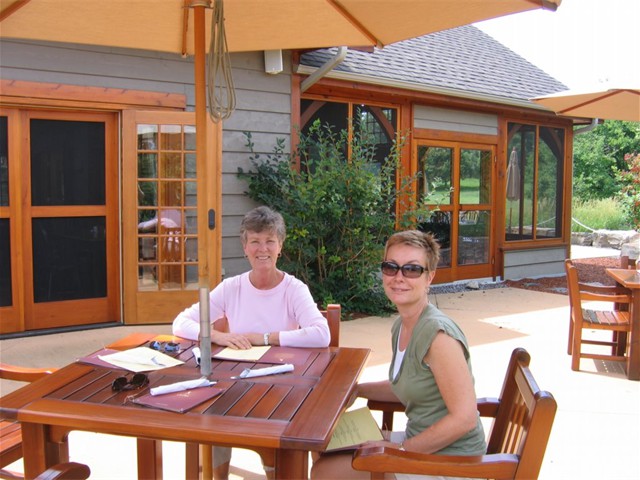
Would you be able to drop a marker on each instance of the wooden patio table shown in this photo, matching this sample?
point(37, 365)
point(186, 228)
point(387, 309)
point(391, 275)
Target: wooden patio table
point(289, 414)
point(630, 279)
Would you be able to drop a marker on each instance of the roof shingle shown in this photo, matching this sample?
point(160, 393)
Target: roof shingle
point(463, 58)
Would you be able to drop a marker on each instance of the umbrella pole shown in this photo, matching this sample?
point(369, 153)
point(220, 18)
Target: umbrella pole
point(202, 188)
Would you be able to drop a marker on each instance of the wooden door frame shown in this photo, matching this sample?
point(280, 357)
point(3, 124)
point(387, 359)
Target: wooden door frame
point(142, 307)
point(461, 141)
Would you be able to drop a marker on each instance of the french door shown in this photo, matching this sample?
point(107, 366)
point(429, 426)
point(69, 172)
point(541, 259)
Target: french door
point(457, 182)
point(159, 216)
point(58, 219)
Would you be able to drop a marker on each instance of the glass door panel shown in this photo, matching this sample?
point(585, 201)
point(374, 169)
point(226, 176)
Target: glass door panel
point(166, 207)
point(436, 166)
point(456, 181)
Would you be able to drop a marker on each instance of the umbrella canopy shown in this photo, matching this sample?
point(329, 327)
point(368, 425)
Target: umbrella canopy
point(184, 26)
point(251, 25)
point(610, 104)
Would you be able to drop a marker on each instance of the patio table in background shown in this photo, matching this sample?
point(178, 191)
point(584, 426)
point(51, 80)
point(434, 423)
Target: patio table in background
point(630, 279)
point(292, 414)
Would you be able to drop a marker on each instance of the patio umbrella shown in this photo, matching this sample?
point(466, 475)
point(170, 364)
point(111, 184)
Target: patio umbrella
point(608, 104)
point(185, 26)
point(513, 180)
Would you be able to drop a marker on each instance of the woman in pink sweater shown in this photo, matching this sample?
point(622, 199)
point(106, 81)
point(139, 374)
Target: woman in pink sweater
point(264, 306)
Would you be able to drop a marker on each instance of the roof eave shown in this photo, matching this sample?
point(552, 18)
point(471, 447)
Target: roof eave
point(386, 82)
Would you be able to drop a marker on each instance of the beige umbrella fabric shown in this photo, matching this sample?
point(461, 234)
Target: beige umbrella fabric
point(607, 104)
point(251, 25)
point(184, 27)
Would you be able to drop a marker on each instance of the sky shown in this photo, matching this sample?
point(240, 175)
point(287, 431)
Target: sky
point(586, 44)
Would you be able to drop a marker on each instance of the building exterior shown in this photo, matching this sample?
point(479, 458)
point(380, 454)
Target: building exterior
point(97, 165)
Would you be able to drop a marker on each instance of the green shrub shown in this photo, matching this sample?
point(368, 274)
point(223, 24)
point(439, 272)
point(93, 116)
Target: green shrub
point(605, 214)
point(338, 213)
point(629, 196)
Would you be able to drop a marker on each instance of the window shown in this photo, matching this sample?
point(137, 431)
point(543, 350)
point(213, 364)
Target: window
point(535, 175)
point(376, 124)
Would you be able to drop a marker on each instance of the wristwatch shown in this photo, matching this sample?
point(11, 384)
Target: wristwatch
point(266, 338)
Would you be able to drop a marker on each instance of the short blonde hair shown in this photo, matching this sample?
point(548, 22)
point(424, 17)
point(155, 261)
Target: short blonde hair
point(416, 238)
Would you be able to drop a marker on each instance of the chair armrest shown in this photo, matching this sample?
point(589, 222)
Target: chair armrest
point(388, 409)
point(385, 406)
point(23, 374)
point(66, 471)
point(388, 459)
point(488, 406)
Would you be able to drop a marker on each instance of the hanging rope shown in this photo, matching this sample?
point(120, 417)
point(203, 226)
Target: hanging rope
point(221, 93)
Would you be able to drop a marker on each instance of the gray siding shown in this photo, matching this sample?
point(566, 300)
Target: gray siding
point(263, 104)
point(534, 263)
point(454, 120)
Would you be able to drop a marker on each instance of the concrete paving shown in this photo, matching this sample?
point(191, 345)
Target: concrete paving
point(596, 433)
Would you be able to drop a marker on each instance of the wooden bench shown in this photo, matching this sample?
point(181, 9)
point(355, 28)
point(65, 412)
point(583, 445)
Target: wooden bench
point(523, 417)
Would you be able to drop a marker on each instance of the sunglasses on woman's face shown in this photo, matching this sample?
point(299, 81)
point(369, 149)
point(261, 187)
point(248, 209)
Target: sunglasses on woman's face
point(123, 383)
point(409, 270)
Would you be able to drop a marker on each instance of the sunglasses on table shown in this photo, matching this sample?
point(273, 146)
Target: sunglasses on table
point(167, 347)
point(138, 380)
point(409, 270)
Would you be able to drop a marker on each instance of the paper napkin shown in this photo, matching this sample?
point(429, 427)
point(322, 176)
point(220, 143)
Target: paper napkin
point(260, 372)
point(180, 386)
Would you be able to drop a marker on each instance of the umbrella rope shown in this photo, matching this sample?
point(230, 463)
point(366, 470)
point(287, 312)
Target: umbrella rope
point(220, 89)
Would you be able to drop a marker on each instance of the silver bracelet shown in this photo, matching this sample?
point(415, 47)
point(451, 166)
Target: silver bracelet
point(266, 339)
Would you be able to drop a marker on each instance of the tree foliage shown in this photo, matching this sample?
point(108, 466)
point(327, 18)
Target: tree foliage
point(339, 212)
point(598, 157)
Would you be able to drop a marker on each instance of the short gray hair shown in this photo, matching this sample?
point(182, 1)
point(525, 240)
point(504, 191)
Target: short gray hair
point(262, 219)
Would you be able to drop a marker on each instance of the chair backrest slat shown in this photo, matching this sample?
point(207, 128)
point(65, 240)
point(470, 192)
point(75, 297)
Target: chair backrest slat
point(333, 314)
point(520, 408)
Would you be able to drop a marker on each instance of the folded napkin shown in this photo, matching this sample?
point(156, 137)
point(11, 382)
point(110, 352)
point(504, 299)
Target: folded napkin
point(259, 372)
point(180, 386)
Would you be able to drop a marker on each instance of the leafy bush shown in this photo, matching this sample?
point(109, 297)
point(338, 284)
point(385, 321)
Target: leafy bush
point(338, 212)
point(605, 214)
point(599, 155)
point(629, 197)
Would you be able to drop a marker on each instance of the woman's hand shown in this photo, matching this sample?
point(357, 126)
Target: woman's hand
point(236, 341)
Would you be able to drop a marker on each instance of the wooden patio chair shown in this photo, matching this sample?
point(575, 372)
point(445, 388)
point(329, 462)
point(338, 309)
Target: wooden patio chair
point(66, 471)
point(626, 262)
point(10, 432)
point(333, 314)
point(523, 417)
point(616, 319)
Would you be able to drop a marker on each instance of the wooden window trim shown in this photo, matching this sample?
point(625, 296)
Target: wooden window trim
point(36, 94)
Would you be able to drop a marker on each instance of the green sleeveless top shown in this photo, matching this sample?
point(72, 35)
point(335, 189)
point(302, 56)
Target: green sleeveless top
point(416, 386)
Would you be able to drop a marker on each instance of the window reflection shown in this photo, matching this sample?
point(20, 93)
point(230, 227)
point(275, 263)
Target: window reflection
point(435, 163)
point(473, 237)
point(534, 198)
point(439, 224)
point(475, 176)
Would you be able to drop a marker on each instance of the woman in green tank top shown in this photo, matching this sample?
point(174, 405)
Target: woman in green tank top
point(430, 371)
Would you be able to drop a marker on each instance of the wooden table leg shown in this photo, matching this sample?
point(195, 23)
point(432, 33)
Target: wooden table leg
point(291, 464)
point(192, 459)
point(149, 459)
point(633, 362)
point(37, 450)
